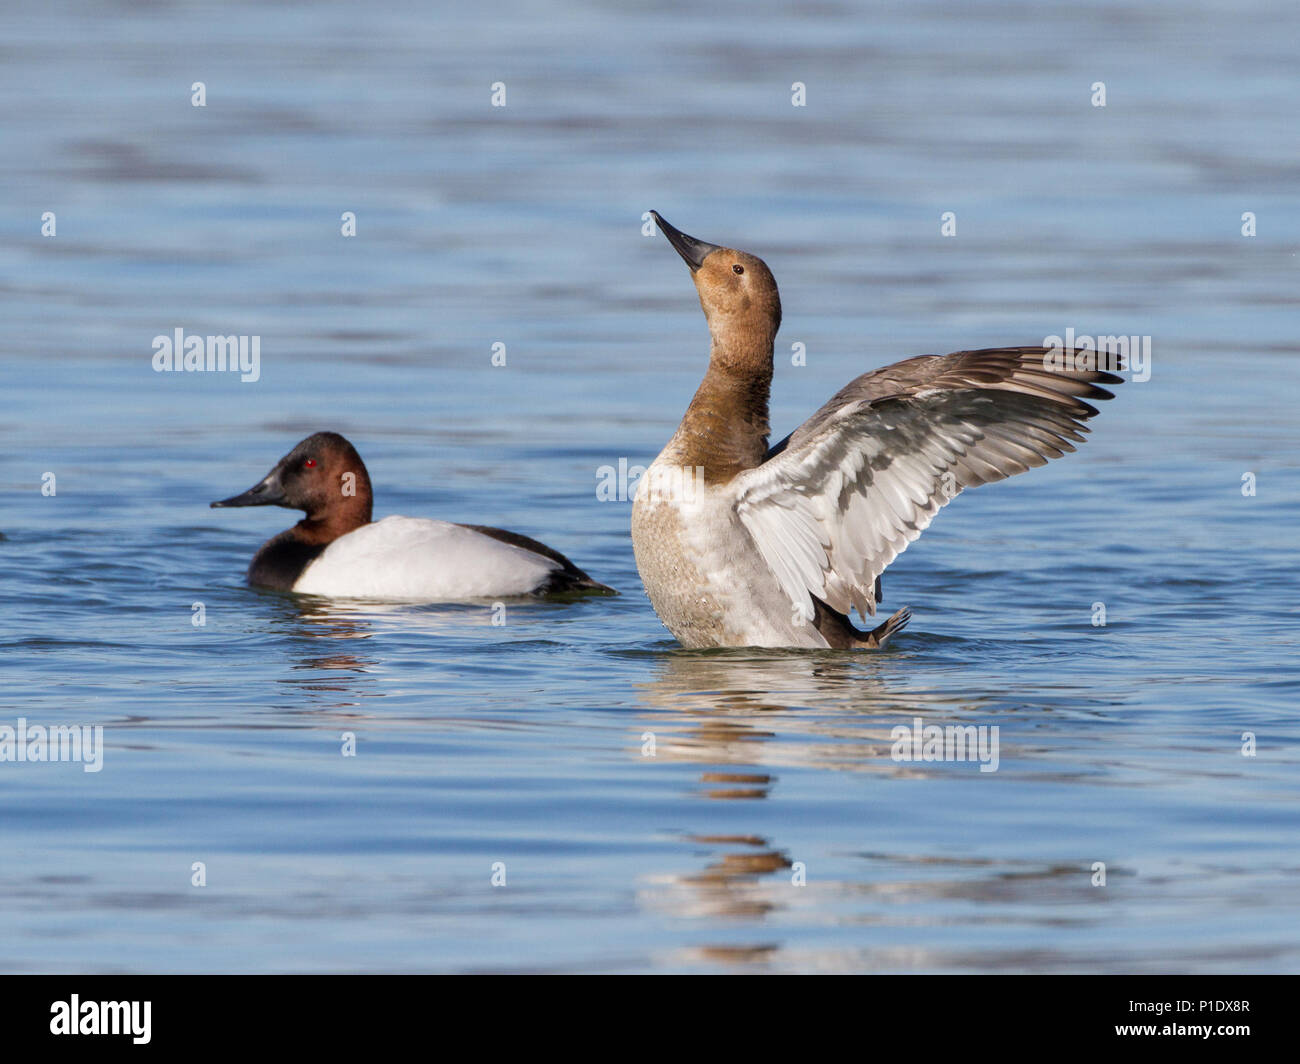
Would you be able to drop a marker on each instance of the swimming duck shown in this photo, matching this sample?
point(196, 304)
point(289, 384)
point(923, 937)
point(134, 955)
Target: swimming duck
point(744, 544)
point(336, 550)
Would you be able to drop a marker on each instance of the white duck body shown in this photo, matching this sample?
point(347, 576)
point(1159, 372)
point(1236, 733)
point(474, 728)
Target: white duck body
point(416, 559)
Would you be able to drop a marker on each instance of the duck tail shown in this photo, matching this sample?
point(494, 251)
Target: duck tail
point(574, 580)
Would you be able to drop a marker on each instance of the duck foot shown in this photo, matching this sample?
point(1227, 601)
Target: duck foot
point(879, 635)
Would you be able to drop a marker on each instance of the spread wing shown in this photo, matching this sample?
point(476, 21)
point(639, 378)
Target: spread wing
point(846, 492)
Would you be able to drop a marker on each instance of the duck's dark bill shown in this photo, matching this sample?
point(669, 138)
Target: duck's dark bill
point(267, 493)
point(692, 250)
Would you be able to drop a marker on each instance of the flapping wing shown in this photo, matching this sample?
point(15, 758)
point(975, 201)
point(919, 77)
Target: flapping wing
point(844, 494)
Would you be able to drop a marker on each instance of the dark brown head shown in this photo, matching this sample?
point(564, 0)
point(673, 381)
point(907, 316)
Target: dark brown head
point(739, 296)
point(324, 477)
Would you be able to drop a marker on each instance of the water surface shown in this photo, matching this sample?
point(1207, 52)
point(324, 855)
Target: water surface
point(525, 744)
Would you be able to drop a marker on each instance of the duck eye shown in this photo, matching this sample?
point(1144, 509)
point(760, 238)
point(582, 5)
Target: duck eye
point(309, 463)
point(737, 268)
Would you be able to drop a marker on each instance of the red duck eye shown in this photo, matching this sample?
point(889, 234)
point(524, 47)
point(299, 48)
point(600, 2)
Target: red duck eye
point(309, 463)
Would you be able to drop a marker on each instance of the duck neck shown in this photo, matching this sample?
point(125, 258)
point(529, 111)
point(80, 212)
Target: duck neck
point(725, 428)
point(343, 516)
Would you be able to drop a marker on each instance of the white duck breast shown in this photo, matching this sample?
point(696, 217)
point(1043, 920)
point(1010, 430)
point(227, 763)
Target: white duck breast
point(421, 560)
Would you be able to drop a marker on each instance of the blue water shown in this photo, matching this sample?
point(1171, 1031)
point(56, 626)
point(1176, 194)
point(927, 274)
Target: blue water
point(771, 830)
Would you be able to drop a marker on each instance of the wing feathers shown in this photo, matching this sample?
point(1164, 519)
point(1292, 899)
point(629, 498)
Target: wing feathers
point(844, 494)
